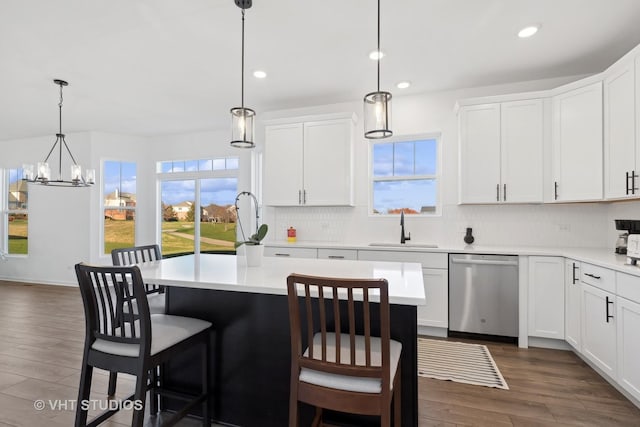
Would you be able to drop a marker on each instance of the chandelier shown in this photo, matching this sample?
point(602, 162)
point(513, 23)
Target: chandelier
point(42, 174)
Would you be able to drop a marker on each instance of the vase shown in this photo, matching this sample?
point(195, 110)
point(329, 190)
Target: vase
point(254, 254)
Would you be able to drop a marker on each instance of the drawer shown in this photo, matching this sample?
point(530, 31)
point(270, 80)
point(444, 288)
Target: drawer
point(279, 251)
point(427, 259)
point(628, 286)
point(338, 254)
point(599, 277)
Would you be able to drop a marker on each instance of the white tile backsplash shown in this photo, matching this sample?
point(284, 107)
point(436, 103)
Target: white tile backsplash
point(581, 225)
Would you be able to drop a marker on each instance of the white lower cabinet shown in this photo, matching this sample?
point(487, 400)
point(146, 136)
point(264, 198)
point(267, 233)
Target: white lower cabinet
point(572, 304)
point(599, 328)
point(546, 297)
point(628, 320)
point(436, 312)
point(290, 252)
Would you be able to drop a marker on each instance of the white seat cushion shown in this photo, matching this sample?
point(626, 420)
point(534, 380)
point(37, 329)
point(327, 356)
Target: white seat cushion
point(166, 331)
point(346, 382)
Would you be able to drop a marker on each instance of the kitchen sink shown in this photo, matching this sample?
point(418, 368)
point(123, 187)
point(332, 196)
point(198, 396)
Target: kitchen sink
point(404, 245)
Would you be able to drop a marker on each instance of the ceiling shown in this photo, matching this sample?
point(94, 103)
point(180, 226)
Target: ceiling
point(150, 67)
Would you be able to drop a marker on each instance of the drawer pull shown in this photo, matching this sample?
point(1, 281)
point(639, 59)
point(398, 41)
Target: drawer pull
point(607, 309)
point(335, 257)
point(592, 275)
point(279, 254)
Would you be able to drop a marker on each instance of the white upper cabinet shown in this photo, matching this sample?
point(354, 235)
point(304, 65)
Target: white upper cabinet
point(620, 150)
point(309, 163)
point(501, 152)
point(522, 126)
point(577, 144)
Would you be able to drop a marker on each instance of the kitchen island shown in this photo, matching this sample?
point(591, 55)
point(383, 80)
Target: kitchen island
point(250, 343)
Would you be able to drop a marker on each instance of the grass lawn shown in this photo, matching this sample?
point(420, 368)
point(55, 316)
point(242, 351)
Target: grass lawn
point(120, 234)
point(18, 241)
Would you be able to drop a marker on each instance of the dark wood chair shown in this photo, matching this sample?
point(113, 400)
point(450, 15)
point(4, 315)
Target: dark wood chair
point(337, 361)
point(155, 293)
point(137, 347)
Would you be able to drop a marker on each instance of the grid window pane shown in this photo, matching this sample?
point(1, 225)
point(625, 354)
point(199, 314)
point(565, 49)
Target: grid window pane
point(426, 157)
point(18, 233)
point(205, 165)
point(219, 164)
point(191, 165)
point(383, 160)
point(218, 217)
point(119, 229)
point(178, 212)
point(412, 196)
point(119, 189)
point(232, 163)
point(403, 159)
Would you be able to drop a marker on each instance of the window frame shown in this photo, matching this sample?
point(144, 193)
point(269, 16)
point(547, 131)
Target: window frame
point(197, 177)
point(437, 177)
point(5, 212)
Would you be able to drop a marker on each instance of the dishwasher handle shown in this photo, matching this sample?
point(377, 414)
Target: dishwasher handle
point(483, 262)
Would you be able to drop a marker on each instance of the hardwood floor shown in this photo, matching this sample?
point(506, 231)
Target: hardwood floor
point(42, 333)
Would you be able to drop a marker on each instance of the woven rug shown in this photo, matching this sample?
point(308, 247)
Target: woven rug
point(459, 362)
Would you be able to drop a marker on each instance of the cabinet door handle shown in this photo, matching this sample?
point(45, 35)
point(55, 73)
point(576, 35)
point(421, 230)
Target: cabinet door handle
point(633, 182)
point(280, 254)
point(627, 183)
point(299, 197)
point(304, 197)
point(335, 257)
point(592, 275)
point(504, 192)
point(555, 189)
point(575, 279)
point(607, 302)
point(497, 192)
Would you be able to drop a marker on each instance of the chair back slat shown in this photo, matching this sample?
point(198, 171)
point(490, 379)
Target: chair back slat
point(138, 255)
point(336, 321)
point(104, 291)
point(352, 327)
point(343, 323)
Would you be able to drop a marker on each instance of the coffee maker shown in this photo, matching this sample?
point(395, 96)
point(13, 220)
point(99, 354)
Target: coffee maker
point(625, 227)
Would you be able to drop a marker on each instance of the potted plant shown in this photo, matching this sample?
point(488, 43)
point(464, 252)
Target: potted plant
point(254, 249)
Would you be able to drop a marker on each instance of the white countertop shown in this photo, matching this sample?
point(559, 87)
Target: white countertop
point(604, 257)
point(230, 273)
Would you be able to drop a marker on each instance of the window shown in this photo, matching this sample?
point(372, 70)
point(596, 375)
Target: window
point(119, 192)
point(198, 199)
point(404, 176)
point(15, 215)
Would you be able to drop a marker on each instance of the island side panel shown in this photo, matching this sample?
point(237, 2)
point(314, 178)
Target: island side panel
point(251, 355)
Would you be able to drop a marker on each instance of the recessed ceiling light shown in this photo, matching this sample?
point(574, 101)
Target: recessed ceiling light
point(403, 85)
point(376, 54)
point(528, 31)
point(259, 74)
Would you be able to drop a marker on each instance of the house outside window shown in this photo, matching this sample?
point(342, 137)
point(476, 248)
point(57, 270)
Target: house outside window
point(15, 215)
point(119, 205)
point(405, 176)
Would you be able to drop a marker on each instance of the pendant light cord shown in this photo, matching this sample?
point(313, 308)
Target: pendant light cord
point(379, 53)
point(242, 84)
point(60, 111)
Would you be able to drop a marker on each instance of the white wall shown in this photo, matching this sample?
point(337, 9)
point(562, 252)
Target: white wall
point(532, 225)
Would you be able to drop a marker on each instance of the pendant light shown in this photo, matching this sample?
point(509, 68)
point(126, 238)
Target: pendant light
point(242, 118)
point(43, 173)
point(377, 105)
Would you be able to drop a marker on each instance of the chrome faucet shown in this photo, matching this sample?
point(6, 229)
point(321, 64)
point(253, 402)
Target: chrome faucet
point(403, 238)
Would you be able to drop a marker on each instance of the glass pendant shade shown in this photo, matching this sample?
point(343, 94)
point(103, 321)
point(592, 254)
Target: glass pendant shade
point(377, 115)
point(242, 127)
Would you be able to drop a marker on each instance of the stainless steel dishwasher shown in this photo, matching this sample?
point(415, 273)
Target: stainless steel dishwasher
point(483, 295)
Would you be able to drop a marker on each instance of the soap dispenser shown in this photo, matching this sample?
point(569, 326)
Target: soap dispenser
point(468, 238)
